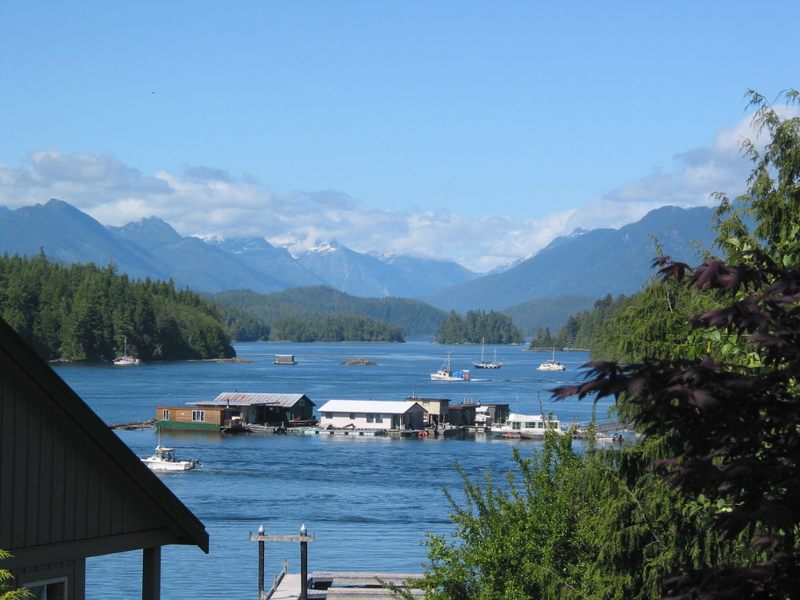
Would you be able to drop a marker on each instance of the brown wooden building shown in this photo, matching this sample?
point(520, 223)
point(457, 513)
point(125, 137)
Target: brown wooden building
point(70, 488)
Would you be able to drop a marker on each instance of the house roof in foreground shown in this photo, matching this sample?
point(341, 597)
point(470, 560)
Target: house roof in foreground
point(386, 407)
point(142, 511)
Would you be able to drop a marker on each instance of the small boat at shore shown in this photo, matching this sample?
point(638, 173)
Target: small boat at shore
point(525, 426)
point(163, 459)
point(446, 373)
point(126, 360)
point(551, 365)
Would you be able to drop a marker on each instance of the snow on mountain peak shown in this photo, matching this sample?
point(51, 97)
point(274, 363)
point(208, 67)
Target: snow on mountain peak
point(324, 247)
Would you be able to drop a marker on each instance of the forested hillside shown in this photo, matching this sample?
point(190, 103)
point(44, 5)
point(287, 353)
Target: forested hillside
point(478, 327)
point(653, 322)
point(84, 312)
point(551, 313)
point(345, 328)
point(319, 302)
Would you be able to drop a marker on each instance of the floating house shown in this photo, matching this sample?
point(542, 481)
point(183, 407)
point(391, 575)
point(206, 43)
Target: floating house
point(487, 415)
point(371, 415)
point(462, 415)
point(70, 489)
point(284, 359)
point(437, 409)
point(238, 409)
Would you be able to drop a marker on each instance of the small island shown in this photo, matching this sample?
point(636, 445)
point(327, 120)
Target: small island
point(360, 362)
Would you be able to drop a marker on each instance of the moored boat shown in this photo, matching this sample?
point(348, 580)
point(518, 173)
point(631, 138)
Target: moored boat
point(484, 364)
point(126, 360)
point(525, 426)
point(551, 365)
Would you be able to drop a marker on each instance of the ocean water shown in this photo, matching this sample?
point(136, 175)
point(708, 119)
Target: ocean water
point(369, 501)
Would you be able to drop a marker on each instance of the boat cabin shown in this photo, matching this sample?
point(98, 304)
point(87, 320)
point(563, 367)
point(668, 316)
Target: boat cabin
point(284, 359)
point(371, 415)
point(526, 426)
point(71, 489)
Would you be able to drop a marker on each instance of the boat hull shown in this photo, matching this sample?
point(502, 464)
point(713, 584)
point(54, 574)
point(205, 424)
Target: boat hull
point(550, 366)
point(165, 466)
point(446, 377)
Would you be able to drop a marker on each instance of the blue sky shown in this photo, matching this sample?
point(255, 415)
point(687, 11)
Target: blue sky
point(474, 131)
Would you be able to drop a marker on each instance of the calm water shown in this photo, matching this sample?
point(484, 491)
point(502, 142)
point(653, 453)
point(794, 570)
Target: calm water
point(369, 501)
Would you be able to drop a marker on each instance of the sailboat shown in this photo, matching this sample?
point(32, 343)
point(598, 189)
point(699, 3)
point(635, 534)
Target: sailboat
point(552, 364)
point(488, 365)
point(446, 373)
point(126, 360)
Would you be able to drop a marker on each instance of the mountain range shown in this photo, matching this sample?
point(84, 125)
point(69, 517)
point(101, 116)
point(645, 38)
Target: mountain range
point(152, 248)
point(588, 263)
point(567, 275)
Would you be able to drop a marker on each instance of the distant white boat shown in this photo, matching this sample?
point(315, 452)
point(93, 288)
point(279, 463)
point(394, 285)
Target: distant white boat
point(163, 459)
point(446, 373)
point(551, 365)
point(127, 360)
point(483, 364)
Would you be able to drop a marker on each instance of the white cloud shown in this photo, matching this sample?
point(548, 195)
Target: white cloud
point(209, 201)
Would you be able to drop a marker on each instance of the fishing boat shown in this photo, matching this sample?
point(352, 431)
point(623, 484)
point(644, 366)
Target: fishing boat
point(126, 360)
point(552, 364)
point(483, 364)
point(163, 459)
point(525, 426)
point(446, 373)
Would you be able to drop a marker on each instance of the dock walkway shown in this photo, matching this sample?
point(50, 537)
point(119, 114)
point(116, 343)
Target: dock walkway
point(348, 585)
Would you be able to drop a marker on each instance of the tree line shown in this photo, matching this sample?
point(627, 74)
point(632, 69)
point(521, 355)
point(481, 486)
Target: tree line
point(477, 327)
point(88, 313)
point(252, 316)
point(335, 329)
point(704, 364)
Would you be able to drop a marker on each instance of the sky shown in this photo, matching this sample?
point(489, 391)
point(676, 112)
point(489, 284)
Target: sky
point(466, 131)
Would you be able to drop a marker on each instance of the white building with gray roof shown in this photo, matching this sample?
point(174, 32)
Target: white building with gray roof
point(371, 415)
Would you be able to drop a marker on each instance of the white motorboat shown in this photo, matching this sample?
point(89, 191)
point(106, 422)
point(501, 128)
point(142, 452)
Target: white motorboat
point(127, 360)
point(163, 459)
point(446, 373)
point(551, 365)
point(525, 426)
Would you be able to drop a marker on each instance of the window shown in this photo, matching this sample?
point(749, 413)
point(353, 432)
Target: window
point(328, 415)
point(352, 416)
point(53, 589)
point(165, 414)
point(379, 418)
point(515, 425)
point(198, 415)
point(541, 424)
point(370, 418)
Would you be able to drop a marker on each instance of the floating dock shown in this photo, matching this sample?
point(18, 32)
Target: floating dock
point(348, 585)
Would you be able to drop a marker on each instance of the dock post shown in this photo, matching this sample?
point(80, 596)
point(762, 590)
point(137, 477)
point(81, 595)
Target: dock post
point(260, 562)
point(303, 563)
